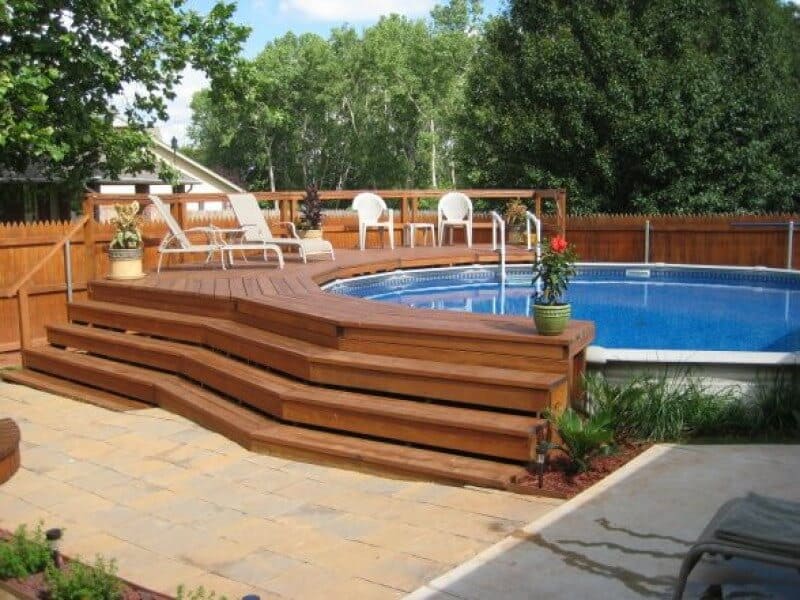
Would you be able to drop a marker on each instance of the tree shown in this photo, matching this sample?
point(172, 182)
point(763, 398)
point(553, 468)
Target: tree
point(660, 106)
point(65, 65)
point(376, 110)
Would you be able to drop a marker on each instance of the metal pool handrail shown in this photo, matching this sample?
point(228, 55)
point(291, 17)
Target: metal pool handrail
point(499, 223)
point(532, 218)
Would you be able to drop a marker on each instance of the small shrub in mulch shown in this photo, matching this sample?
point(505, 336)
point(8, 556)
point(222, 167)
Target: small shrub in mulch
point(27, 570)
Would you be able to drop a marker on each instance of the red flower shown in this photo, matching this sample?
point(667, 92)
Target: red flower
point(558, 244)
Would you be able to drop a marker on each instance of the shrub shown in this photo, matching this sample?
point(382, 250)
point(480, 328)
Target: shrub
point(127, 227)
point(776, 404)
point(24, 553)
point(82, 582)
point(583, 437)
point(663, 408)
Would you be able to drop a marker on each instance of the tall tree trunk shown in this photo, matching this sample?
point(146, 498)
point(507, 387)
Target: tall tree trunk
point(433, 154)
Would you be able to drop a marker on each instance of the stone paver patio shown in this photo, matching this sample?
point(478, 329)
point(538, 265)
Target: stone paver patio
point(177, 504)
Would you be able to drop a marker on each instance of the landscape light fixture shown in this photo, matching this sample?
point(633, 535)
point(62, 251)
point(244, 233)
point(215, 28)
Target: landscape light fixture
point(53, 537)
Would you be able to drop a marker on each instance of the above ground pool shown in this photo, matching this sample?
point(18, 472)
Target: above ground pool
point(633, 306)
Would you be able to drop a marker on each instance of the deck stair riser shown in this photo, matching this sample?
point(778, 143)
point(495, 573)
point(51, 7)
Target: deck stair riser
point(486, 386)
point(467, 430)
point(261, 434)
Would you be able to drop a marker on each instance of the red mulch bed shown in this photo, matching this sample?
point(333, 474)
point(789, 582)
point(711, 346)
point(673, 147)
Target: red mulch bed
point(557, 483)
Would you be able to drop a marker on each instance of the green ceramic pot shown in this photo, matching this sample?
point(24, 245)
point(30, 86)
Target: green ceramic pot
point(551, 320)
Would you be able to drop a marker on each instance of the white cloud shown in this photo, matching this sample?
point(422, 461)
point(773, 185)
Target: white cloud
point(356, 10)
point(180, 112)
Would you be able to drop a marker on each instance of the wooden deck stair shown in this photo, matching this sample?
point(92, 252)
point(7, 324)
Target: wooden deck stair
point(273, 363)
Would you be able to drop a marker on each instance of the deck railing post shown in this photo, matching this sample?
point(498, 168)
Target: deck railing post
point(88, 239)
point(68, 268)
point(790, 245)
point(647, 241)
point(24, 316)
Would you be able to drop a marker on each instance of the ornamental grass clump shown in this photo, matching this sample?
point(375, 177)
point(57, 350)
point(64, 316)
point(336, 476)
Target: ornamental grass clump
point(552, 272)
point(127, 233)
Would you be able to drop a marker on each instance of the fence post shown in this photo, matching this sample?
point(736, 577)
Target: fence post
point(647, 241)
point(88, 240)
point(790, 246)
point(24, 315)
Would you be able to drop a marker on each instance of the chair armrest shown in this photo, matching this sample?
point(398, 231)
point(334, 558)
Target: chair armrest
point(292, 229)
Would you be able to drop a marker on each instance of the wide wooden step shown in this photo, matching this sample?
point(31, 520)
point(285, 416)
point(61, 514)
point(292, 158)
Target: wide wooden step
point(480, 385)
point(72, 390)
point(463, 429)
point(259, 433)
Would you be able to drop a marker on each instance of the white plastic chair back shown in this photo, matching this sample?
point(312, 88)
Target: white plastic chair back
point(174, 228)
point(369, 207)
point(455, 206)
point(251, 219)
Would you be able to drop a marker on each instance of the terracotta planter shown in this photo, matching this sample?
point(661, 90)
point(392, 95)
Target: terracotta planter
point(310, 234)
point(551, 320)
point(125, 263)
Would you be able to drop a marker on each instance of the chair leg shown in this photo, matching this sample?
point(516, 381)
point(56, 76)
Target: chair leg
point(469, 235)
point(689, 562)
point(391, 237)
point(441, 234)
point(160, 258)
point(361, 236)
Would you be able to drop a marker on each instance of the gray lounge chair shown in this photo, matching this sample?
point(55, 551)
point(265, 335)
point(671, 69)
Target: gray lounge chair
point(754, 528)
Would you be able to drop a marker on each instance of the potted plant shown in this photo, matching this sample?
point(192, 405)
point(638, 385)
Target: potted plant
point(551, 275)
point(127, 247)
point(311, 214)
point(515, 215)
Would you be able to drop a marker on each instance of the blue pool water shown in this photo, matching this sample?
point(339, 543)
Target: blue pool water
point(633, 307)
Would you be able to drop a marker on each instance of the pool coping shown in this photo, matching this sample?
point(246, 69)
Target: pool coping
point(600, 355)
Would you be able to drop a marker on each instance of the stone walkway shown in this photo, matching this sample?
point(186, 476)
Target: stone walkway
point(176, 504)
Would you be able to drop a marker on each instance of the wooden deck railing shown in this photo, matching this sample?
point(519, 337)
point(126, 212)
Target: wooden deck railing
point(20, 287)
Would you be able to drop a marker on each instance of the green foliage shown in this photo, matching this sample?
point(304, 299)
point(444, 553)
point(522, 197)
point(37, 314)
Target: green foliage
point(583, 437)
point(198, 593)
point(367, 110)
point(69, 70)
point(77, 581)
point(553, 271)
point(661, 106)
point(25, 553)
point(668, 408)
point(126, 226)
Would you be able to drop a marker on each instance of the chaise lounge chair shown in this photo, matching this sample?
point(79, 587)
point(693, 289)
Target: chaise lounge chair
point(177, 242)
point(256, 229)
point(754, 528)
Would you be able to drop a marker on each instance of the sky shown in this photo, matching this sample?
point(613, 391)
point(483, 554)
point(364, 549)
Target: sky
point(269, 19)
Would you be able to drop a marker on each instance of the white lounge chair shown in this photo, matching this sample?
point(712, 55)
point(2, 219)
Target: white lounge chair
point(215, 239)
point(455, 210)
point(370, 207)
point(256, 229)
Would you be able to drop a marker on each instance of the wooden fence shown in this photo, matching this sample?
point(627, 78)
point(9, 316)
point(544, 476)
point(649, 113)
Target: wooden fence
point(717, 240)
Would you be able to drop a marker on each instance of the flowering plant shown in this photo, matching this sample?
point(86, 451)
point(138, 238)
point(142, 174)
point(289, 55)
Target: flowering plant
point(552, 271)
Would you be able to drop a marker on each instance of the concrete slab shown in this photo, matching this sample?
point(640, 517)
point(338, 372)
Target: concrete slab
point(626, 537)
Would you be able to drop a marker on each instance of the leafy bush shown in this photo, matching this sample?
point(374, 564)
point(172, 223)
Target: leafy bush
point(672, 409)
point(311, 209)
point(583, 437)
point(199, 593)
point(82, 582)
point(25, 553)
point(127, 227)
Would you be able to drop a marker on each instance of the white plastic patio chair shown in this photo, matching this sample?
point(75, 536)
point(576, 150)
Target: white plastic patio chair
point(370, 207)
point(454, 210)
point(215, 239)
point(256, 229)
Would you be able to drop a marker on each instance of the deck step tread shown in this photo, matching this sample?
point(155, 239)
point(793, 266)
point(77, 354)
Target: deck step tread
point(330, 356)
point(73, 390)
point(261, 433)
point(116, 344)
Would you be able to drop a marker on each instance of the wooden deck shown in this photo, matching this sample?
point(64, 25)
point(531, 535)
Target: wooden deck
point(264, 356)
